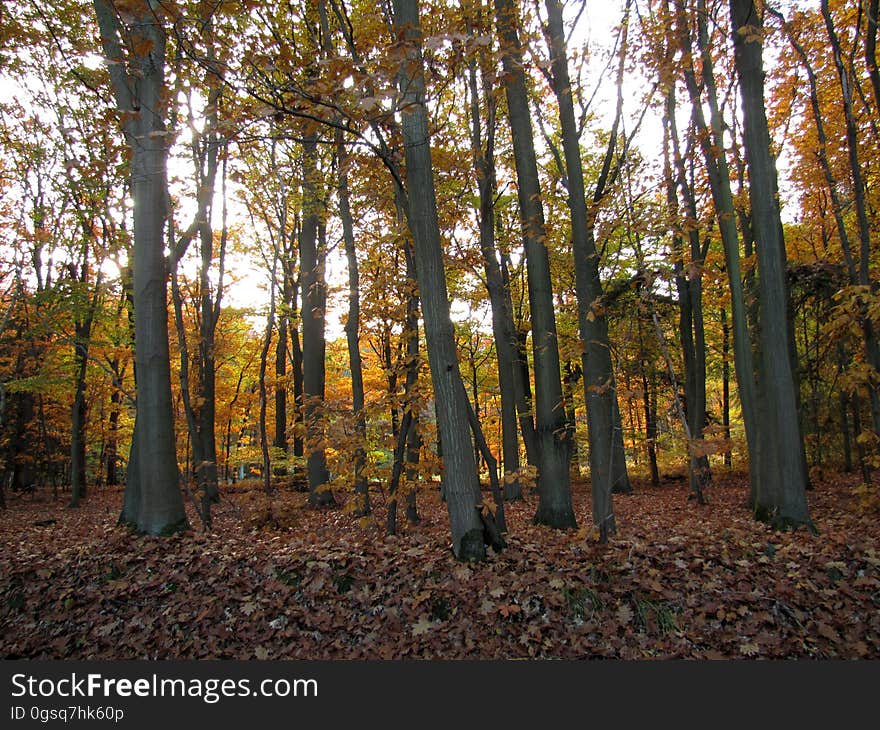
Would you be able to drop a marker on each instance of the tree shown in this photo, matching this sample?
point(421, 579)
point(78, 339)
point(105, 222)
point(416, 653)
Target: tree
point(209, 153)
point(352, 330)
point(554, 507)
point(711, 138)
point(781, 495)
point(153, 502)
point(599, 387)
point(460, 478)
point(511, 389)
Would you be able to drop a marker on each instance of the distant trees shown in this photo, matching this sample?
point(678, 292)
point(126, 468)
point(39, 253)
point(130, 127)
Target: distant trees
point(383, 161)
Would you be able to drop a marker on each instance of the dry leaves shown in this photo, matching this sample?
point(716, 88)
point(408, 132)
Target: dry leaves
point(677, 581)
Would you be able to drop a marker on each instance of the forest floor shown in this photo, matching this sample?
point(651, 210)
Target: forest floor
point(678, 580)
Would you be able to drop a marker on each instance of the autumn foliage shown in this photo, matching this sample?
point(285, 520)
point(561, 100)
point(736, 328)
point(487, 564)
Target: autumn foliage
point(306, 310)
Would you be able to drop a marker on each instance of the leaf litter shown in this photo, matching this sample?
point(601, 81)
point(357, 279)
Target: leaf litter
point(677, 581)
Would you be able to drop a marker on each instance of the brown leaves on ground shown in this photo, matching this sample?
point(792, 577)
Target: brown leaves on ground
point(678, 581)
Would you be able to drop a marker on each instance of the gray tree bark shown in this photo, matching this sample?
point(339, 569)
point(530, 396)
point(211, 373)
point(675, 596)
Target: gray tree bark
point(153, 501)
point(781, 495)
point(711, 139)
point(502, 318)
point(599, 389)
point(311, 258)
point(554, 505)
point(352, 336)
point(461, 483)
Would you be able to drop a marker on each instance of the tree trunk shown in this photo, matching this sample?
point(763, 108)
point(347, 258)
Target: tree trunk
point(607, 455)
point(522, 384)
point(571, 373)
point(872, 346)
point(261, 380)
point(279, 440)
point(296, 364)
point(843, 400)
point(156, 504)
point(111, 453)
point(352, 335)
point(650, 426)
point(725, 384)
point(554, 505)
point(462, 487)
point(712, 146)
point(209, 301)
point(688, 282)
point(781, 496)
point(411, 333)
point(314, 344)
point(502, 318)
point(78, 411)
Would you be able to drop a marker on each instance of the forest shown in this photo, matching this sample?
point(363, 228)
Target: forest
point(425, 329)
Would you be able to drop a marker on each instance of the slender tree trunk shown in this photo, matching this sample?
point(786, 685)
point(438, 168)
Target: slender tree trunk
point(650, 410)
point(712, 146)
point(872, 346)
point(871, 51)
point(650, 426)
point(228, 438)
point(491, 466)
point(314, 344)
point(461, 485)
point(408, 442)
point(209, 302)
point(396, 472)
point(413, 449)
point(725, 384)
point(261, 380)
point(571, 374)
point(111, 453)
point(554, 505)
point(78, 411)
point(607, 456)
point(279, 440)
point(864, 465)
point(502, 318)
point(296, 363)
point(411, 333)
point(352, 335)
point(522, 385)
point(781, 496)
point(843, 400)
point(688, 282)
